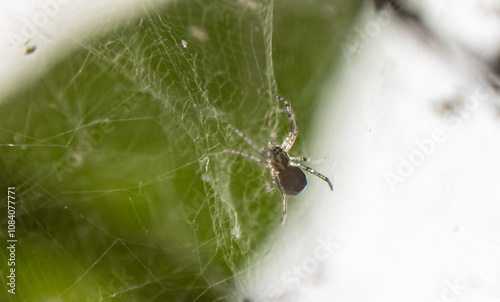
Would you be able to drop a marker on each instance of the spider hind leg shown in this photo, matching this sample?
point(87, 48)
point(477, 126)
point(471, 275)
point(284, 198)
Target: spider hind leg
point(314, 172)
point(283, 198)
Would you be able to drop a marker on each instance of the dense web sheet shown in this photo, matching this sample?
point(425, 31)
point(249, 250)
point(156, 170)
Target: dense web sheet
point(116, 155)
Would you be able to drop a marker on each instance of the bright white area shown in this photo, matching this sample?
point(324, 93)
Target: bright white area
point(35, 35)
point(472, 23)
point(411, 132)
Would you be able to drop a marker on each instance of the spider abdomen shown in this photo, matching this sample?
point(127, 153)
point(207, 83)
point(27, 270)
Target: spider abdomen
point(292, 180)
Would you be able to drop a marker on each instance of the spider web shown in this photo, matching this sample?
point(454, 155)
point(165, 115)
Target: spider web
point(117, 158)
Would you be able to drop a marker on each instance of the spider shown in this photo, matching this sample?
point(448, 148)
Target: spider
point(286, 171)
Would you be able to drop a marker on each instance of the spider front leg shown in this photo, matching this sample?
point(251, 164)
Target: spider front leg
point(292, 134)
point(244, 137)
point(243, 154)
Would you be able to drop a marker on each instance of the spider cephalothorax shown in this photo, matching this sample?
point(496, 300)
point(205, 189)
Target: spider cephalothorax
point(286, 171)
point(277, 158)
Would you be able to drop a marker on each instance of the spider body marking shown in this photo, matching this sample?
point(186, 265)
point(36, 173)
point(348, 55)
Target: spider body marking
point(286, 172)
point(278, 158)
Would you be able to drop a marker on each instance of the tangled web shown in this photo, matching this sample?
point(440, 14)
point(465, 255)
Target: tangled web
point(116, 156)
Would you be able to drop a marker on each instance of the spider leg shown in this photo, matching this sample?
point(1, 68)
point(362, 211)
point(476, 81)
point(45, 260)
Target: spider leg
point(312, 171)
point(283, 197)
point(301, 159)
point(245, 138)
point(258, 160)
point(269, 187)
point(292, 134)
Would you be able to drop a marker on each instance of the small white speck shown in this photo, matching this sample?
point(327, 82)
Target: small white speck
point(76, 159)
point(236, 231)
point(184, 43)
point(198, 33)
point(206, 177)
